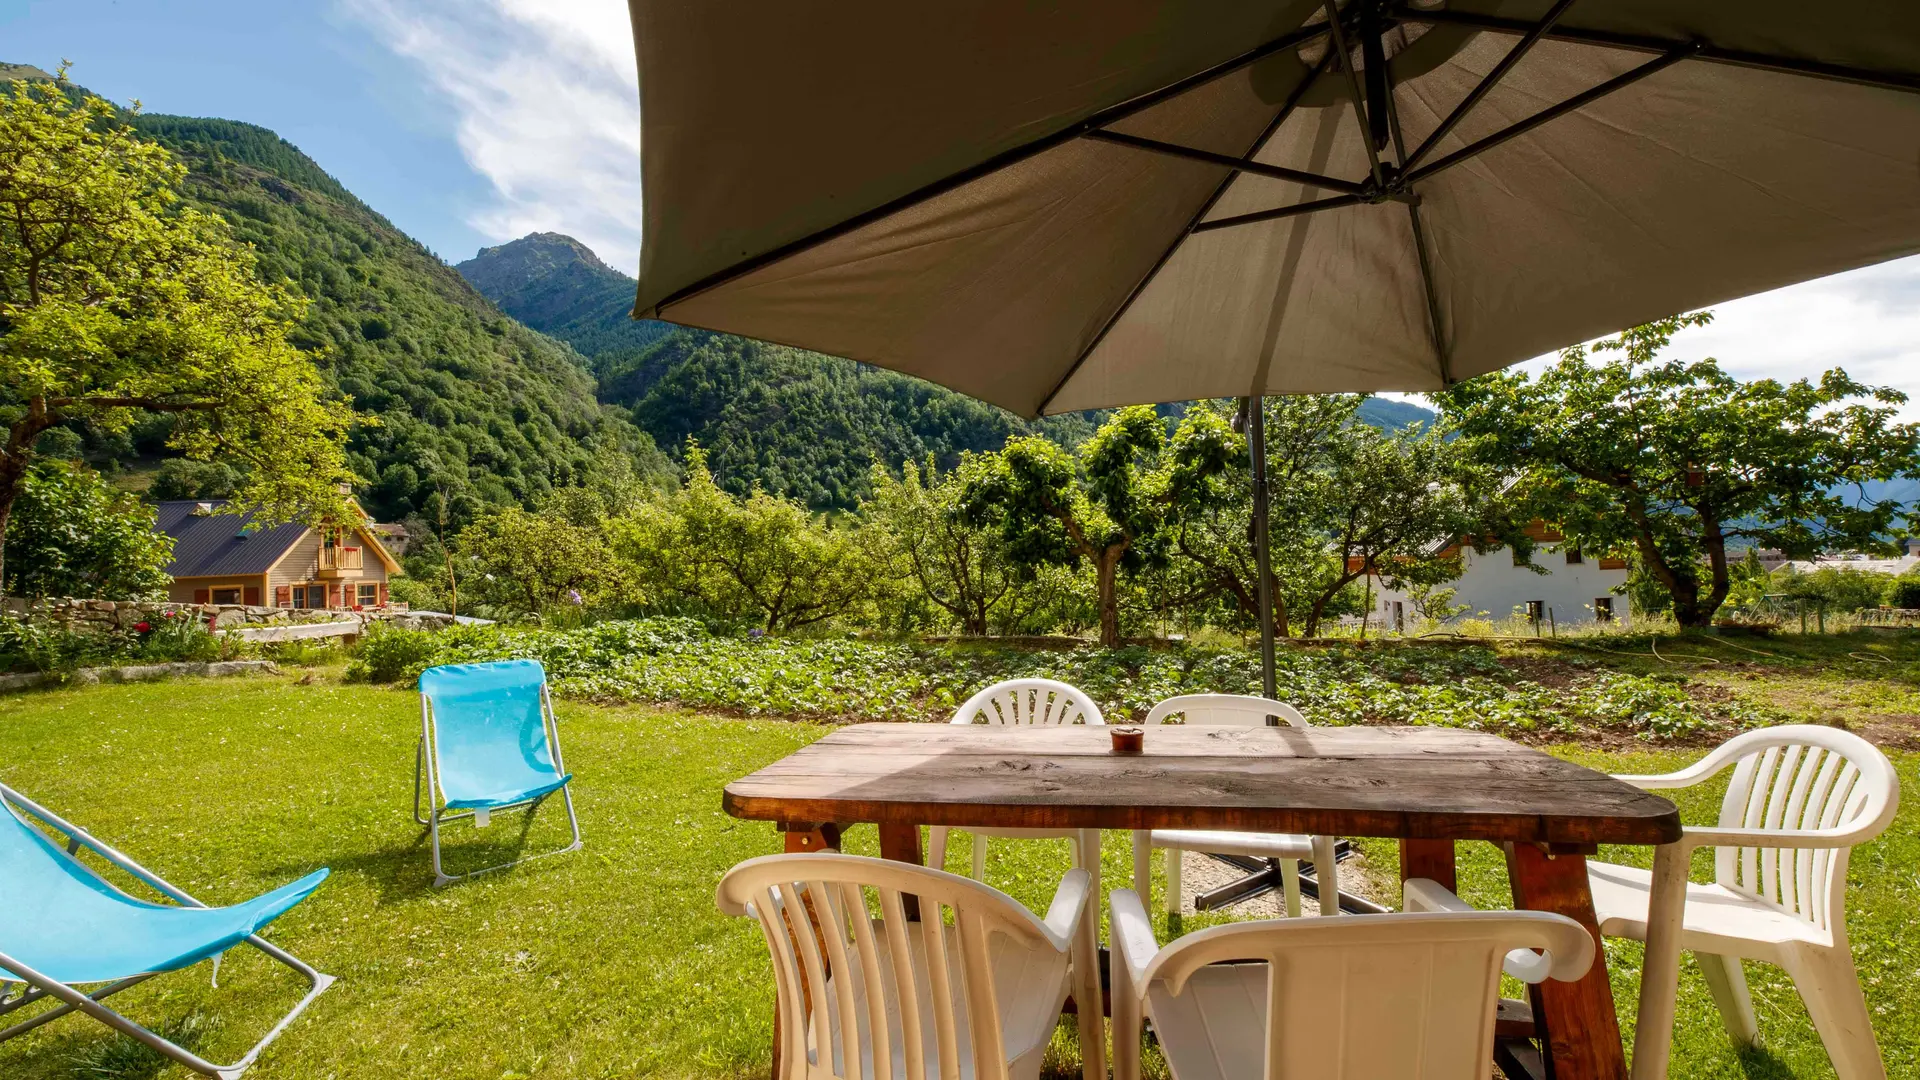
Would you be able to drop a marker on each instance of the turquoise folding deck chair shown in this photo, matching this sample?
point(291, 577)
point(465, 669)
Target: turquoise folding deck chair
point(62, 925)
point(488, 741)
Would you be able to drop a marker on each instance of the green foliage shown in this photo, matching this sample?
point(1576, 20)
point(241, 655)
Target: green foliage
point(1904, 592)
point(1833, 589)
point(28, 644)
point(676, 661)
point(760, 558)
point(1673, 460)
point(524, 564)
point(72, 534)
point(386, 653)
point(961, 569)
point(184, 478)
point(1343, 496)
point(118, 299)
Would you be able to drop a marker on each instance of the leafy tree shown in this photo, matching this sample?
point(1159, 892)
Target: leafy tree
point(117, 299)
point(521, 563)
point(71, 534)
point(960, 567)
point(1672, 461)
point(1833, 589)
point(184, 478)
point(1344, 496)
point(760, 556)
point(1106, 505)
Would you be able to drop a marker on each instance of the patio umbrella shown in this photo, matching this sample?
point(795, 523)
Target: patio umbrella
point(1084, 203)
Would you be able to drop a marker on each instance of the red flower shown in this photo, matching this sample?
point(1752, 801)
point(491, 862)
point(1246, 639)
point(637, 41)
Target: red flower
point(143, 627)
point(168, 614)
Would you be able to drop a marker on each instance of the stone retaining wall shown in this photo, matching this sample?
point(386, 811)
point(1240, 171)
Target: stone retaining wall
point(137, 673)
point(108, 615)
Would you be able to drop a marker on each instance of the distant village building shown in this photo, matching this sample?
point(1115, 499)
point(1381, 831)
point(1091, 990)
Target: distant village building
point(1853, 560)
point(223, 558)
point(1573, 588)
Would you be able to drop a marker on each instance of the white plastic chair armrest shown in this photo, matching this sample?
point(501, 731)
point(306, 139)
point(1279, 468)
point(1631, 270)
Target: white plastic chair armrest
point(1778, 838)
point(1426, 894)
point(1068, 908)
point(1133, 942)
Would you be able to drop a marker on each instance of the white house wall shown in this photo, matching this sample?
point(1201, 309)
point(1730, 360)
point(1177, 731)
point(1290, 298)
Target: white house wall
point(1492, 587)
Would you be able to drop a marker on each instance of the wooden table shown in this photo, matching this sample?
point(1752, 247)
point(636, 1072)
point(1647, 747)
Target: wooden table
point(1427, 787)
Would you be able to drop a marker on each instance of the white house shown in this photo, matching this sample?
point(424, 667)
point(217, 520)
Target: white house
point(1572, 590)
point(1905, 561)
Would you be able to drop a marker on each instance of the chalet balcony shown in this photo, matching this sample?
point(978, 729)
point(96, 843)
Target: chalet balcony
point(341, 562)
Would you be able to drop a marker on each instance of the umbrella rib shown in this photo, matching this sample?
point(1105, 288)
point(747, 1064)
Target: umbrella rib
point(1553, 112)
point(1242, 164)
point(1278, 212)
point(1193, 223)
point(1353, 90)
point(1886, 80)
point(1506, 64)
point(1004, 159)
point(1442, 355)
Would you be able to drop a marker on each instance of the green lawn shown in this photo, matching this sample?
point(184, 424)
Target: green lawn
point(611, 962)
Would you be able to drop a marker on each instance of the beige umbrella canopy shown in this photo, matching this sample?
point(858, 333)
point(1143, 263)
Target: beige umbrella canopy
point(1096, 202)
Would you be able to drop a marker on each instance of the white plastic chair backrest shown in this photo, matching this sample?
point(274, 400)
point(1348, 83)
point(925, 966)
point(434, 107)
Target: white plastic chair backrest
point(840, 892)
point(1029, 701)
point(1407, 995)
point(1238, 710)
point(1801, 777)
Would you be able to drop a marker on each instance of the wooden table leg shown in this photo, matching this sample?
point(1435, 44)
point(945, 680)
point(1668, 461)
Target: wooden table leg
point(1431, 859)
point(1576, 1021)
point(1088, 997)
point(901, 843)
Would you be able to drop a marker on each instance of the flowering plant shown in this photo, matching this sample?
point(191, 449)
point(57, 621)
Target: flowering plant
point(143, 627)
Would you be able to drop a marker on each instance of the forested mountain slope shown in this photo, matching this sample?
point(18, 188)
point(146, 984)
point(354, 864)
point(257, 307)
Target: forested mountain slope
point(467, 400)
point(794, 422)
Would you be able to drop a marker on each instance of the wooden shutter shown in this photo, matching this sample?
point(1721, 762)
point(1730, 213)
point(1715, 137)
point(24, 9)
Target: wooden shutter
point(383, 594)
point(251, 595)
point(203, 596)
point(283, 596)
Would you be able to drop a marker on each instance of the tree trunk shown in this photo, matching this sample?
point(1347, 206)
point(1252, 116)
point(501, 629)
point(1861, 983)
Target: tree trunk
point(1107, 570)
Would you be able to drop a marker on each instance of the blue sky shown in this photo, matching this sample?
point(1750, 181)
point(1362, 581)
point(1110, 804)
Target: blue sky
point(471, 122)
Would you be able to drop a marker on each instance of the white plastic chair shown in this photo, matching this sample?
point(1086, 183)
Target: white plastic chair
point(1286, 848)
point(979, 1000)
point(1019, 701)
point(1800, 798)
point(1409, 996)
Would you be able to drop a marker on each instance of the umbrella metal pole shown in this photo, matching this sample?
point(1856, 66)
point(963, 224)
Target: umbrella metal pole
point(1257, 449)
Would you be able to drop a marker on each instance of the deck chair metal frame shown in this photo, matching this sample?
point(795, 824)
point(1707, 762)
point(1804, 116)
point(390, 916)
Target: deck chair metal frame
point(425, 766)
point(36, 986)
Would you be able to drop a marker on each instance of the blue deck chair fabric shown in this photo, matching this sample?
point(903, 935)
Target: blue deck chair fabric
point(67, 923)
point(490, 735)
point(486, 745)
point(62, 926)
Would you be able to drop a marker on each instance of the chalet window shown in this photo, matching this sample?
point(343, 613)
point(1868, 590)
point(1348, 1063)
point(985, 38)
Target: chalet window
point(369, 594)
point(1603, 609)
point(1574, 558)
point(227, 594)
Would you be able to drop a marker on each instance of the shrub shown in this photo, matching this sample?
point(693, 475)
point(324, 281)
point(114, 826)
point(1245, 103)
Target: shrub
point(387, 653)
point(1904, 592)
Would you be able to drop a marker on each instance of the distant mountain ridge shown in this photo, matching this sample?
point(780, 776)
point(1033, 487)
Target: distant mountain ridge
point(558, 286)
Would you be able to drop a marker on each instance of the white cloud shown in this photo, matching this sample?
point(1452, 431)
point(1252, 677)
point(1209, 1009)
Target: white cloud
point(1865, 321)
point(546, 108)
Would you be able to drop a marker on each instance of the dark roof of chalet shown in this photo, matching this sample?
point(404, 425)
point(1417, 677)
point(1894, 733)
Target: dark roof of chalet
point(216, 544)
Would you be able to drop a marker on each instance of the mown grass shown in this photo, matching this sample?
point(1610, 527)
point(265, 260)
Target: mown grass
point(612, 962)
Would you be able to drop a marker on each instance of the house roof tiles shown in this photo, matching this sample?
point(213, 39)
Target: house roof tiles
point(217, 544)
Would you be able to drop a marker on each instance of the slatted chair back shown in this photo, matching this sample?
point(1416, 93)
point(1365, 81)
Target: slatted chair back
point(1801, 778)
point(1407, 995)
point(1236, 710)
point(944, 999)
point(1029, 701)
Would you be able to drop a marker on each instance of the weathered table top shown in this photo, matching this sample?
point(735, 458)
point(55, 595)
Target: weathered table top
point(1407, 782)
